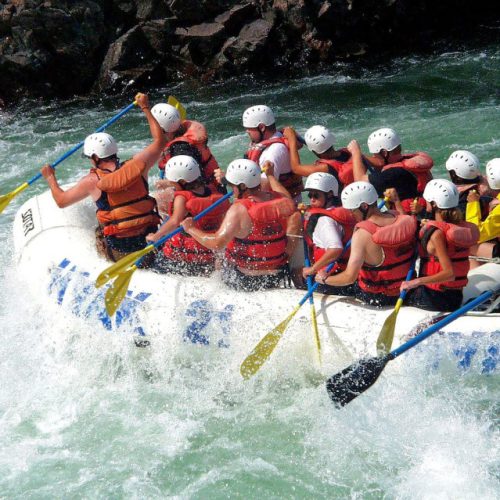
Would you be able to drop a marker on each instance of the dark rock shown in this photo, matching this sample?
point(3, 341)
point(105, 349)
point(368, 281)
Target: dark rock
point(203, 41)
point(235, 18)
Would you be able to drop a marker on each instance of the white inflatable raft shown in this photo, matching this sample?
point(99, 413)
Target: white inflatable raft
point(56, 257)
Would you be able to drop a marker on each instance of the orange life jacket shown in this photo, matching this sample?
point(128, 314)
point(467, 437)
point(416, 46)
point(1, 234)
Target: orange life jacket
point(419, 164)
point(398, 241)
point(125, 208)
point(459, 239)
point(292, 182)
point(183, 247)
point(196, 135)
point(264, 248)
point(341, 215)
point(343, 169)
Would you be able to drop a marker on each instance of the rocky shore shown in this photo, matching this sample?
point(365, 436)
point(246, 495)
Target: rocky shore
point(77, 47)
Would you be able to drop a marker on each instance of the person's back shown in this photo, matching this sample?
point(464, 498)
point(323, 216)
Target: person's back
point(125, 211)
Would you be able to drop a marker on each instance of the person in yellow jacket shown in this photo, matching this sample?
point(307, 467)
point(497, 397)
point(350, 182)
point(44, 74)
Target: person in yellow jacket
point(489, 228)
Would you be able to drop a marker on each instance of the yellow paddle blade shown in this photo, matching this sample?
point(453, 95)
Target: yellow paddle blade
point(117, 291)
point(7, 198)
point(121, 266)
point(386, 335)
point(177, 105)
point(264, 348)
point(316, 331)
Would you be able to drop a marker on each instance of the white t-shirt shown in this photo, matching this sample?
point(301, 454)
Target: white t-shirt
point(328, 233)
point(278, 155)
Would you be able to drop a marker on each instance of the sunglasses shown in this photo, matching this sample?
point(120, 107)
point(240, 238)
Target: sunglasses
point(315, 196)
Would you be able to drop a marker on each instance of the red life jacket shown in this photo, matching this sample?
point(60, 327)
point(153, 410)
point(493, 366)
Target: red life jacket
point(125, 208)
point(419, 164)
point(459, 239)
point(264, 248)
point(344, 170)
point(406, 204)
point(292, 182)
point(398, 243)
point(341, 215)
point(183, 247)
point(196, 135)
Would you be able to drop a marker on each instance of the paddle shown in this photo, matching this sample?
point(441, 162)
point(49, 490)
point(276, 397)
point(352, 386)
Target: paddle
point(7, 198)
point(310, 284)
point(348, 384)
point(268, 343)
point(177, 105)
point(125, 267)
point(386, 335)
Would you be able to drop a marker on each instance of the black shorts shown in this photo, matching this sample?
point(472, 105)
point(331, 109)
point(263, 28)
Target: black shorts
point(432, 300)
point(164, 265)
point(374, 299)
point(237, 280)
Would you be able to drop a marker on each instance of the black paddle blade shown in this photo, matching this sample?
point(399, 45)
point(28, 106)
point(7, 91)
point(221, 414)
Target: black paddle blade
point(348, 384)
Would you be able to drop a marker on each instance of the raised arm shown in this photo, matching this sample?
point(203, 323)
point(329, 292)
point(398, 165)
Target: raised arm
point(150, 154)
point(297, 167)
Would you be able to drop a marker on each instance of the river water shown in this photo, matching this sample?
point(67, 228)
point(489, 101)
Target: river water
point(88, 415)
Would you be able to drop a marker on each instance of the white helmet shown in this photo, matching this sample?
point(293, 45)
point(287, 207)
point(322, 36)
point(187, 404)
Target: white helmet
point(357, 193)
point(493, 173)
point(182, 167)
point(322, 181)
point(442, 192)
point(254, 116)
point(167, 116)
point(383, 138)
point(243, 172)
point(319, 139)
point(464, 163)
point(100, 144)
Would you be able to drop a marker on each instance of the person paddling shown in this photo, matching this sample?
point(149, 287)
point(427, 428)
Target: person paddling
point(125, 211)
point(489, 228)
point(268, 145)
point(321, 142)
point(382, 248)
point(385, 146)
point(253, 231)
point(180, 132)
point(445, 245)
point(327, 229)
point(463, 169)
point(183, 254)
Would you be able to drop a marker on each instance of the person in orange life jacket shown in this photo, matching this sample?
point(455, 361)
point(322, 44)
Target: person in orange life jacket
point(398, 183)
point(444, 251)
point(382, 248)
point(327, 229)
point(385, 146)
point(182, 254)
point(253, 231)
point(187, 131)
point(489, 228)
point(463, 169)
point(321, 141)
point(267, 144)
point(125, 211)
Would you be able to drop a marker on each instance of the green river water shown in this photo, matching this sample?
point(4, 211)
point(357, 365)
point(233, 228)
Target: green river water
point(80, 417)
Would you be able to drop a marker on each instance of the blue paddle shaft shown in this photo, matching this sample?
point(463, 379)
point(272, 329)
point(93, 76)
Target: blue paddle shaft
point(80, 144)
point(195, 218)
point(440, 324)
